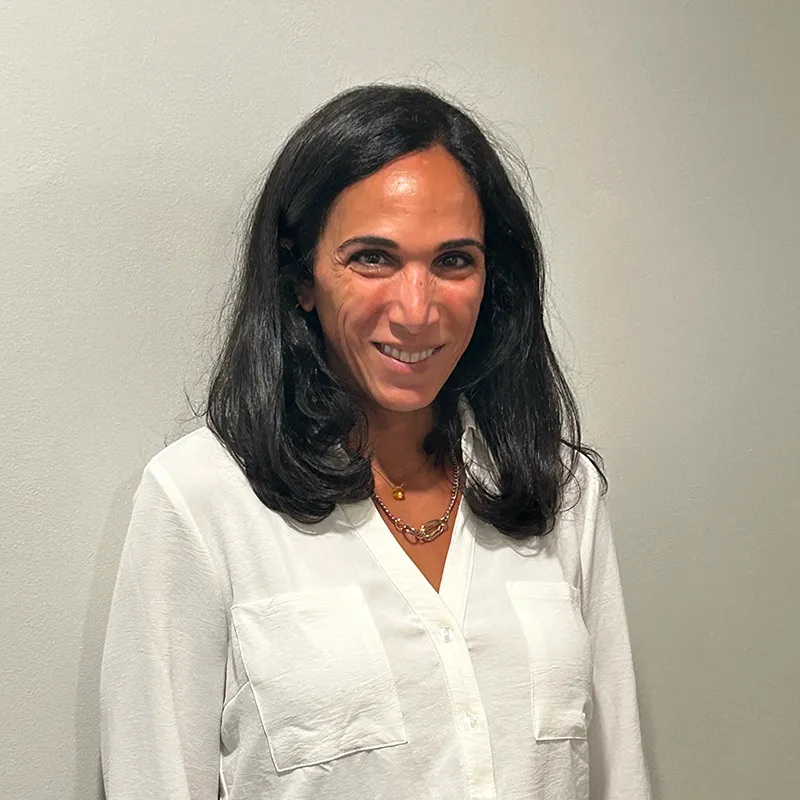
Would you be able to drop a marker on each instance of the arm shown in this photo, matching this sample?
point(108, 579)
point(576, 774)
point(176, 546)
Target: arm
point(163, 671)
point(617, 768)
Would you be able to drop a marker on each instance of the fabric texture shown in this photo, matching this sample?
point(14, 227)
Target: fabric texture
point(251, 657)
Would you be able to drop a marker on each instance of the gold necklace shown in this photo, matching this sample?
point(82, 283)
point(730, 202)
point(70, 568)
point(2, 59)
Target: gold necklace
point(434, 528)
point(397, 488)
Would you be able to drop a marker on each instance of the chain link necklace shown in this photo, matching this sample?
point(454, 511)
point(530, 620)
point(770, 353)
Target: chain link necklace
point(434, 528)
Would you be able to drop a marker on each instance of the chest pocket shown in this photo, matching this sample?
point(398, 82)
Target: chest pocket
point(560, 658)
point(320, 676)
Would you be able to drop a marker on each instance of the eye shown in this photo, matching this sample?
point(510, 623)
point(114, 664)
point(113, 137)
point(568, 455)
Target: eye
point(371, 260)
point(456, 260)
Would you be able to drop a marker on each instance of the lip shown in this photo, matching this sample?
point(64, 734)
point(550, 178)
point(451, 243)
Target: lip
point(402, 366)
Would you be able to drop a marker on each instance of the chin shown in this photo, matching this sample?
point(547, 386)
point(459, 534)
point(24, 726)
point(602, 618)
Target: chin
point(403, 401)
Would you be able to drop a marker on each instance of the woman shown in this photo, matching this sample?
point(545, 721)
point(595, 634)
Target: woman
point(383, 569)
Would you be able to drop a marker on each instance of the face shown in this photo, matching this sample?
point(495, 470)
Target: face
point(399, 273)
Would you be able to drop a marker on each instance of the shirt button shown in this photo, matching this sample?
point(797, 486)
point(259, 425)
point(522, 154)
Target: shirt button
point(470, 721)
point(446, 635)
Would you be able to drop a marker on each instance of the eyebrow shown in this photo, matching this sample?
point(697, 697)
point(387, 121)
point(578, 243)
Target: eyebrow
point(379, 241)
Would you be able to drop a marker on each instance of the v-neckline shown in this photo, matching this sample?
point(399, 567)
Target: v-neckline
point(401, 569)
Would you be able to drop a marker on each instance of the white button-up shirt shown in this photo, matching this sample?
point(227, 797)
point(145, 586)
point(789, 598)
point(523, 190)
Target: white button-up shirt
point(251, 657)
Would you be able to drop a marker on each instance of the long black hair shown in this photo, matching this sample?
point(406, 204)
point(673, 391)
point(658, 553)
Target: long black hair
point(287, 419)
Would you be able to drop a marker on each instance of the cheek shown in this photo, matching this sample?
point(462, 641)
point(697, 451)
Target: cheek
point(348, 316)
point(465, 303)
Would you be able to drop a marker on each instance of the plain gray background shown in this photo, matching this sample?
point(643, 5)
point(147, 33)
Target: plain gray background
point(662, 139)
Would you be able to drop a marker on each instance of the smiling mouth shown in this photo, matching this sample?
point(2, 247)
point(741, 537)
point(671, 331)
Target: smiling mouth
point(404, 355)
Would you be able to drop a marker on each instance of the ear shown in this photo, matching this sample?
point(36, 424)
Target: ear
point(305, 292)
point(305, 297)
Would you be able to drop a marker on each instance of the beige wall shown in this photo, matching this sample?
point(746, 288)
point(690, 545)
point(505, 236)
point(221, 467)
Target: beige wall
point(662, 139)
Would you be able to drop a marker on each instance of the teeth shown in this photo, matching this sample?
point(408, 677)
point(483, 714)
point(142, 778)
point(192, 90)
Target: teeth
point(405, 356)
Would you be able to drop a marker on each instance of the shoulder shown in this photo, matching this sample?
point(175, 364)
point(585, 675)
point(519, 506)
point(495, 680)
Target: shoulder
point(196, 468)
point(194, 453)
point(584, 486)
point(582, 521)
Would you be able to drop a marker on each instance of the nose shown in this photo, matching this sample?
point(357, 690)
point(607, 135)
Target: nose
point(414, 307)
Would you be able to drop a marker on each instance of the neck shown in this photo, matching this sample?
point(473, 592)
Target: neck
point(396, 438)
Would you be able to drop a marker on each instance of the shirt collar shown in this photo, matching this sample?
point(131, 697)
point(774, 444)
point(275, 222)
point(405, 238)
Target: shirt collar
point(474, 451)
point(467, 416)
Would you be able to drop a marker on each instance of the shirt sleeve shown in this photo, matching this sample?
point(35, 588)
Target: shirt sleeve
point(163, 671)
point(617, 769)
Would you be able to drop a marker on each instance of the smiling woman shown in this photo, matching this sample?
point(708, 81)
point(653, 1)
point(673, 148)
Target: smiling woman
point(383, 568)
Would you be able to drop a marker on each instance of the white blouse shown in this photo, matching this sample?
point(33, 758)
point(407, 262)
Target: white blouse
point(250, 657)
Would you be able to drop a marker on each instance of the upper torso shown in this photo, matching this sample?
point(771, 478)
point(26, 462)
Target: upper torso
point(350, 676)
point(347, 675)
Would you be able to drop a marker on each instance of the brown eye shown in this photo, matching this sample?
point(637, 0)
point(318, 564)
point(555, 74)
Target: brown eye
point(456, 260)
point(370, 258)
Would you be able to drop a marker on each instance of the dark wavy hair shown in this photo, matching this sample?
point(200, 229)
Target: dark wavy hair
point(282, 413)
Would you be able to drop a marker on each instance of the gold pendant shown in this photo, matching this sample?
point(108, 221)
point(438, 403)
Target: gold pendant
point(398, 493)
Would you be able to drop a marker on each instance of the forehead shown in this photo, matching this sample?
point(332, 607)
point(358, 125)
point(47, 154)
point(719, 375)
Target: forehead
point(427, 188)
